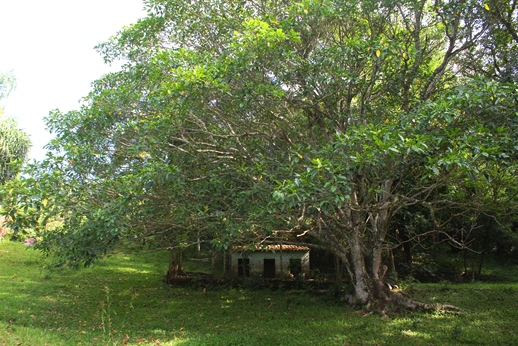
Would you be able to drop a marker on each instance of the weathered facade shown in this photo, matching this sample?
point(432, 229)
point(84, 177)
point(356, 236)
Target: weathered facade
point(271, 261)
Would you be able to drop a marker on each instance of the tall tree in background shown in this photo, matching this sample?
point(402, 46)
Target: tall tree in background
point(14, 143)
point(496, 54)
point(7, 84)
point(14, 147)
point(237, 119)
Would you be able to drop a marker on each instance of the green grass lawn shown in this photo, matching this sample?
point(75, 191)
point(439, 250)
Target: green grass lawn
point(122, 301)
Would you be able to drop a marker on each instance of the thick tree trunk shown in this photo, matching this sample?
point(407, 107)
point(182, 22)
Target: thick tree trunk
point(366, 273)
point(362, 294)
point(370, 288)
point(363, 257)
point(358, 239)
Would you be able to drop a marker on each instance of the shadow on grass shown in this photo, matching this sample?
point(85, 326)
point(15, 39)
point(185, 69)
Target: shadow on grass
point(122, 301)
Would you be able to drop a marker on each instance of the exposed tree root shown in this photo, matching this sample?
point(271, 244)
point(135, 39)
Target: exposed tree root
point(390, 301)
point(413, 305)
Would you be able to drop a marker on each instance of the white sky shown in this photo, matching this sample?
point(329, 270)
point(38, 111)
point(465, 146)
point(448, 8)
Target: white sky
point(48, 44)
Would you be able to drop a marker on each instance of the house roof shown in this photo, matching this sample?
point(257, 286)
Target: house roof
point(278, 247)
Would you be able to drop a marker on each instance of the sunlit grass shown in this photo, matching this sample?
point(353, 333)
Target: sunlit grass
point(122, 300)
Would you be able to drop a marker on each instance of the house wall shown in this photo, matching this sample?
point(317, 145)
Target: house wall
point(282, 262)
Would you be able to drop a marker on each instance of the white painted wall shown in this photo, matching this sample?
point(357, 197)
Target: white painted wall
point(282, 261)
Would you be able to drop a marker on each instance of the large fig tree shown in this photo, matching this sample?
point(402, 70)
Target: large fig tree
point(237, 119)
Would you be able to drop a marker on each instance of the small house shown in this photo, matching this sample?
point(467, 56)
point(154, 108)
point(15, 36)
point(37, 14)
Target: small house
point(270, 261)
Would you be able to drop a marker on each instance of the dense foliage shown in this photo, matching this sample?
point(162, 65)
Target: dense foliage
point(324, 120)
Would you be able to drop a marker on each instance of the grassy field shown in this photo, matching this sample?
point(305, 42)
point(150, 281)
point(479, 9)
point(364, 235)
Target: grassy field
point(122, 301)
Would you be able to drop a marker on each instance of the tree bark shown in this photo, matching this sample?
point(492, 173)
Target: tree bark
point(363, 258)
point(362, 294)
point(372, 292)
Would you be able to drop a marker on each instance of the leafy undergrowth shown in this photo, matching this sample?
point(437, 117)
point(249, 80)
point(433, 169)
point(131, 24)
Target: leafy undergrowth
point(123, 301)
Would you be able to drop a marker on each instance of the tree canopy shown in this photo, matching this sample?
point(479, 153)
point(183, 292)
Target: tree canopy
point(325, 120)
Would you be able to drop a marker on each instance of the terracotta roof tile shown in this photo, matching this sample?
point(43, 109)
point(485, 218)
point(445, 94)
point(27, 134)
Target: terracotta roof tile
point(295, 248)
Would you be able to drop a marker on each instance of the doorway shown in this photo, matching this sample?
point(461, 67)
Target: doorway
point(269, 268)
